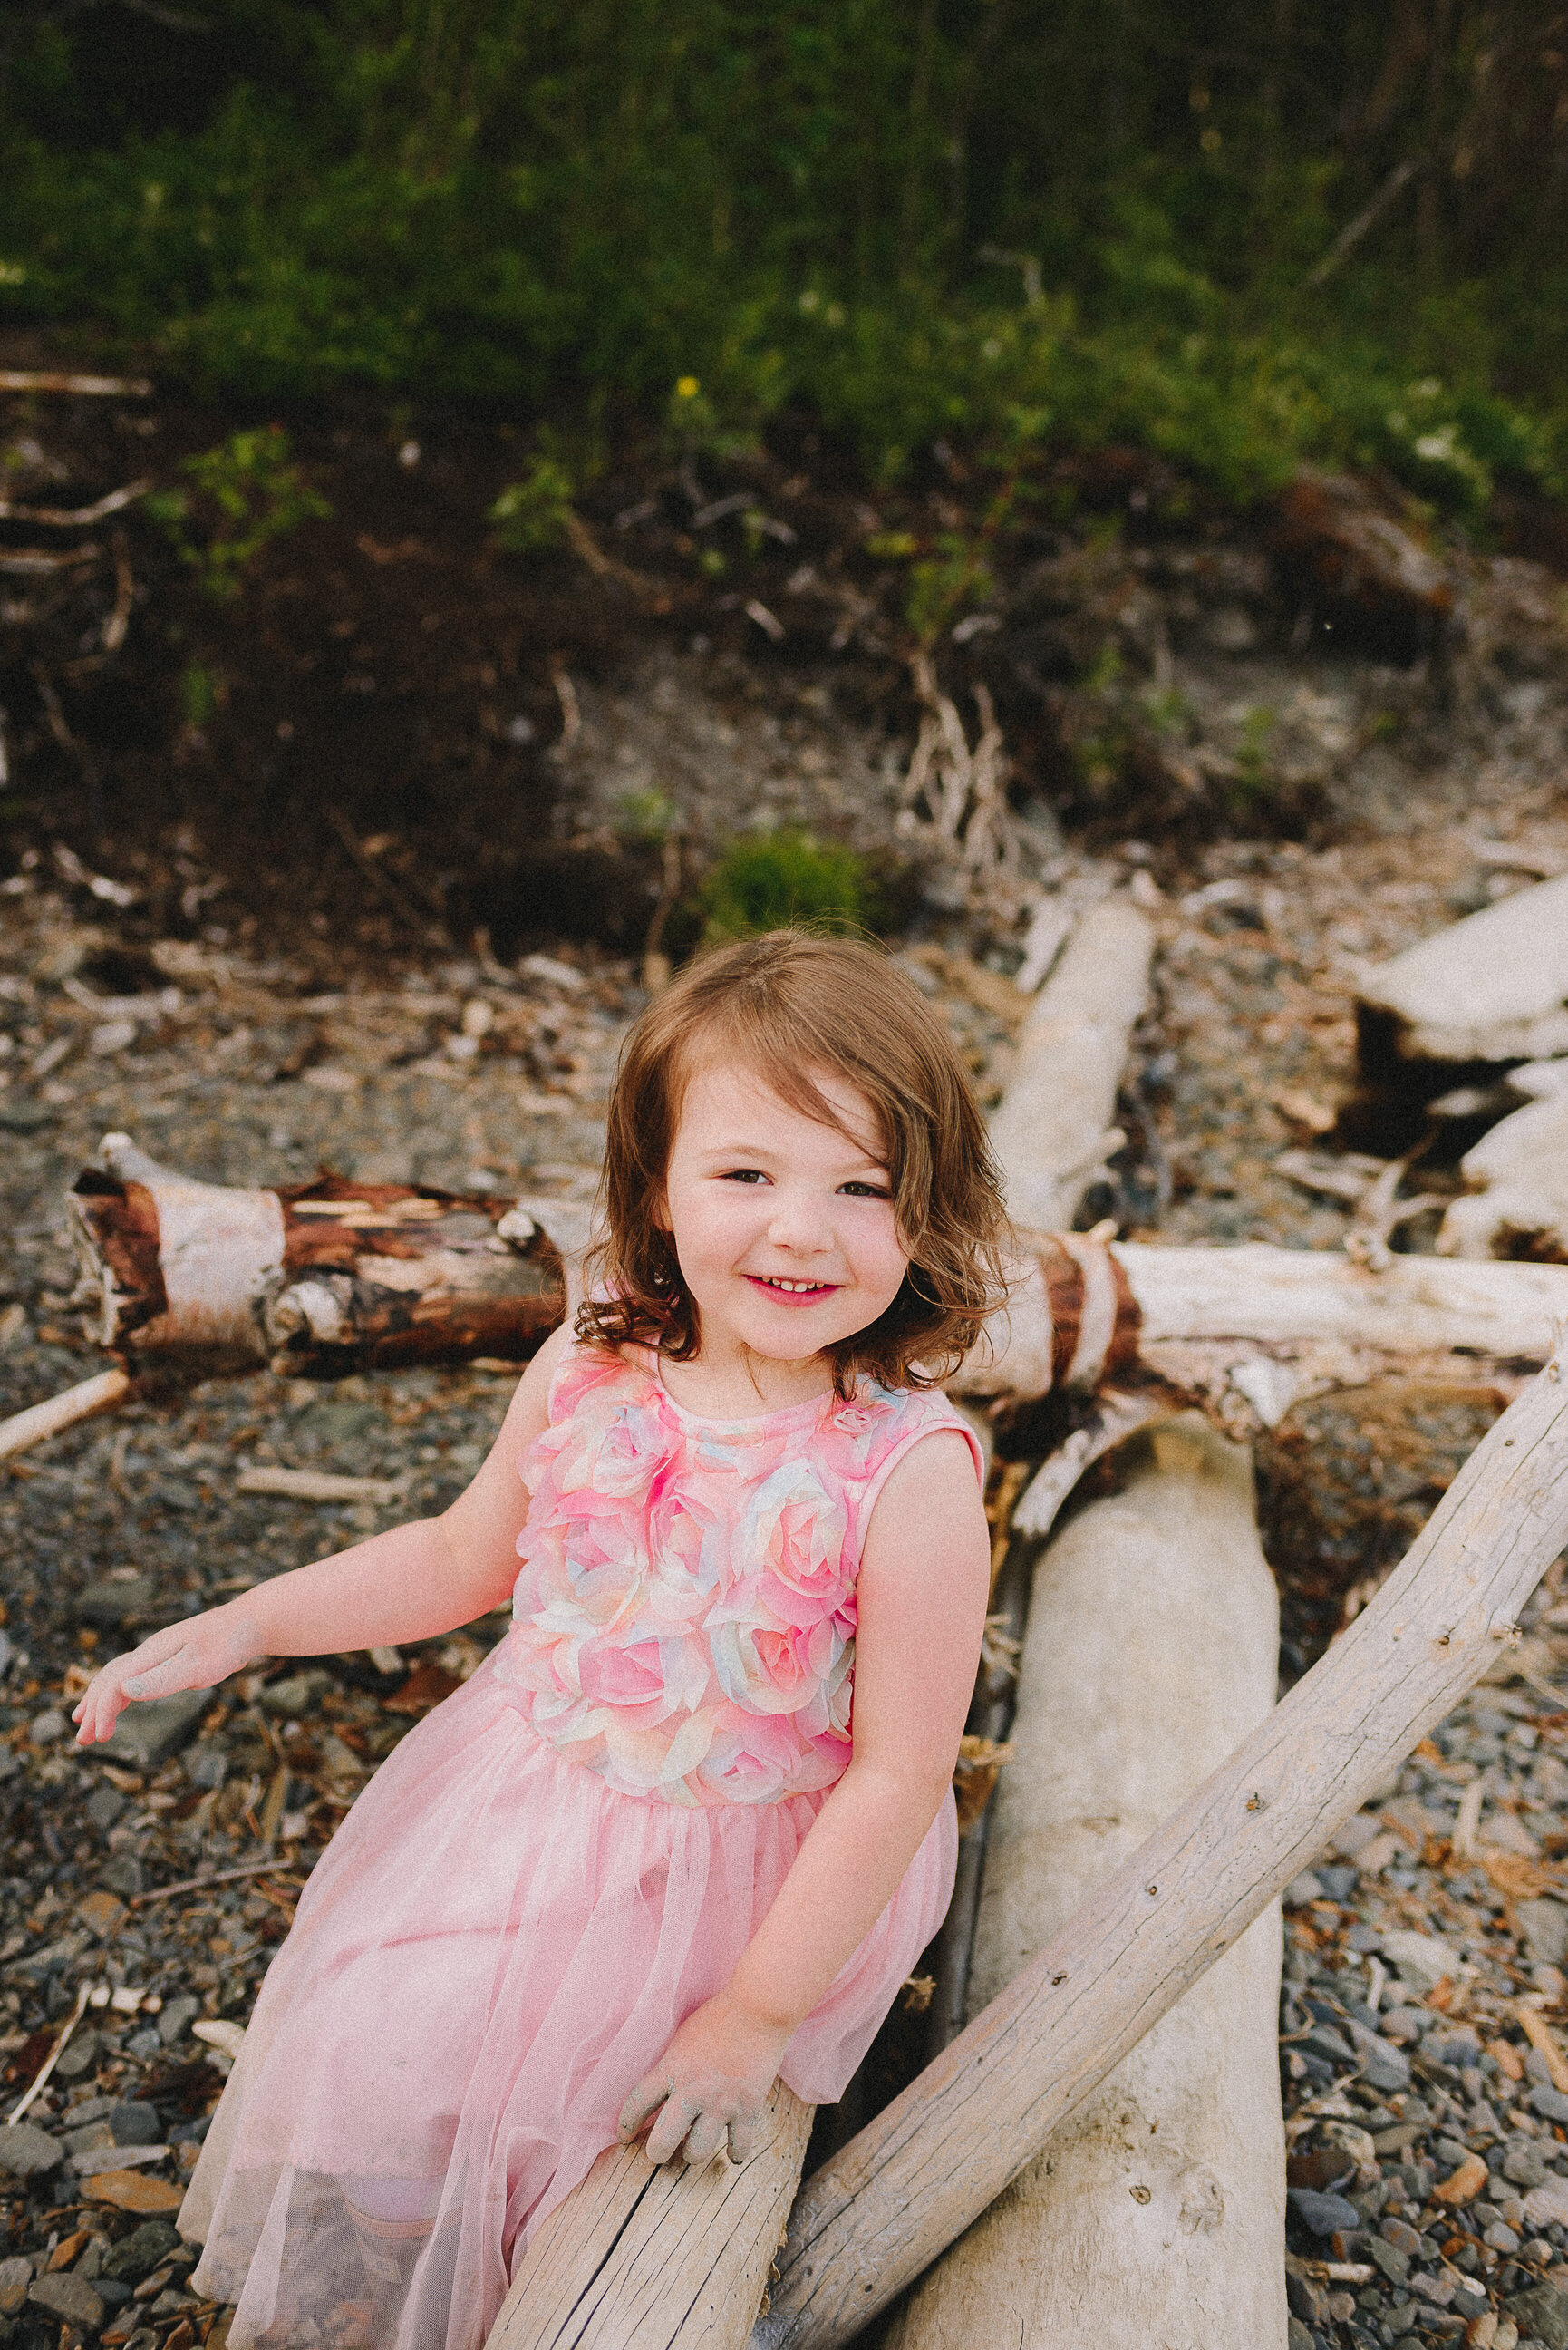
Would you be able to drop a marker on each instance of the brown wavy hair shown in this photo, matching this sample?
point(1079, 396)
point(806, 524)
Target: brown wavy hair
point(791, 1005)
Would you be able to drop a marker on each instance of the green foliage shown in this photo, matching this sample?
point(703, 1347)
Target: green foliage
point(781, 878)
point(531, 516)
point(198, 692)
point(984, 221)
point(246, 493)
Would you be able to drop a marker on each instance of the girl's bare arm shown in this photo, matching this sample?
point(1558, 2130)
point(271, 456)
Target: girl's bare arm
point(923, 1587)
point(408, 1584)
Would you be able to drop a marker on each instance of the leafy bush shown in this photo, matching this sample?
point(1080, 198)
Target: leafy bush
point(247, 493)
point(533, 516)
point(783, 878)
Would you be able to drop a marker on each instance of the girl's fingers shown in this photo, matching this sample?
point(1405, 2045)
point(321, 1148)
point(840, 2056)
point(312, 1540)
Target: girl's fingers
point(745, 2137)
point(705, 2136)
point(668, 2136)
point(646, 2098)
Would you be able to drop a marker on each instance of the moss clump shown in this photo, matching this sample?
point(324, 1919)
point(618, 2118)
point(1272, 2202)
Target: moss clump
point(781, 879)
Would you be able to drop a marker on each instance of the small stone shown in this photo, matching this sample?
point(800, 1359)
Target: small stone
point(1393, 2264)
point(1500, 2237)
point(1324, 2214)
point(146, 1735)
point(70, 2297)
point(16, 2276)
point(1338, 1881)
point(1299, 2336)
point(1465, 2184)
point(1541, 2314)
point(103, 1808)
point(175, 2018)
point(291, 1698)
point(1384, 2067)
point(81, 2055)
point(207, 1765)
point(89, 2136)
point(26, 2152)
point(1546, 2205)
point(130, 2190)
point(1545, 1925)
point(101, 1913)
point(1402, 2236)
point(144, 2043)
point(1550, 2103)
point(137, 2256)
point(135, 2123)
point(122, 1872)
point(47, 1729)
point(1302, 1889)
point(1422, 1960)
point(117, 1601)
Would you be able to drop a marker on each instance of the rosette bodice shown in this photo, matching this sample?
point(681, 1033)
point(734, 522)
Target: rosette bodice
point(684, 1621)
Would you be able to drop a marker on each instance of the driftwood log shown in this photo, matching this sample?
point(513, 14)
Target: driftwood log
point(909, 2184)
point(1518, 1175)
point(1054, 1129)
point(1156, 2214)
point(646, 2259)
point(317, 1278)
point(1493, 988)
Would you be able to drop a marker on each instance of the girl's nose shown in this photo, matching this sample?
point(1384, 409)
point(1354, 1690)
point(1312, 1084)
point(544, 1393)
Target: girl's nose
point(798, 1223)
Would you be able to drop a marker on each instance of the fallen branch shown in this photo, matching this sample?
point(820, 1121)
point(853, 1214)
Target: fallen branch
point(81, 387)
point(100, 1393)
point(75, 517)
point(902, 2190)
point(52, 2059)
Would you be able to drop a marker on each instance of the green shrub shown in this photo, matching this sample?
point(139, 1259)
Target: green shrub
point(533, 516)
point(783, 878)
point(246, 493)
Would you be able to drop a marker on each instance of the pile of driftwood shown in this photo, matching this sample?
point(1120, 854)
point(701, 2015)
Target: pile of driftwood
point(1102, 2114)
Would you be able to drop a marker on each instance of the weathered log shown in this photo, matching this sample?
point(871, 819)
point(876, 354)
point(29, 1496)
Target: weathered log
point(1518, 1177)
point(1492, 988)
point(646, 2259)
point(1053, 1129)
point(909, 2184)
point(318, 1278)
point(1157, 2212)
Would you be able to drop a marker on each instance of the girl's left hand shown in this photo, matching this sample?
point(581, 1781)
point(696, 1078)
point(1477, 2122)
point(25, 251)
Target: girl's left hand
point(712, 2081)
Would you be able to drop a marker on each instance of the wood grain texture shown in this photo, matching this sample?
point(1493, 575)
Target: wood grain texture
point(1049, 1134)
point(643, 2258)
point(901, 2191)
point(1156, 2212)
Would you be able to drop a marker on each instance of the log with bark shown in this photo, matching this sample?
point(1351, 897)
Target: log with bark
point(897, 2195)
point(319, 1278)
point(1157, 2213)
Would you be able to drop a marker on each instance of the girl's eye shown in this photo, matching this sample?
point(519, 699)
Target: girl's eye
point(866, 1191)
point(744, 1175)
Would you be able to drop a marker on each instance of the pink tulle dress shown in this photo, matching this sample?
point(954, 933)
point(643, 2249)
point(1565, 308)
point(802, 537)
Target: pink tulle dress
point(558, 1863)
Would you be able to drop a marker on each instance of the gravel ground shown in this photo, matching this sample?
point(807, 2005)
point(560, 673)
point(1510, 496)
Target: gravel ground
point(1430, 2160)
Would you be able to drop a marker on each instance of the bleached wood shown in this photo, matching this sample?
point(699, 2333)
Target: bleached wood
point(41, 1419)
point(1417, 1305)
point(1050, 1132)
point(1157, 2212)
point(1518, 1179)
point(1493, 988)
point(641, 2258)
point(893, 2199)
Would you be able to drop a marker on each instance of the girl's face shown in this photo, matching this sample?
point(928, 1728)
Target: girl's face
point(783, 1227)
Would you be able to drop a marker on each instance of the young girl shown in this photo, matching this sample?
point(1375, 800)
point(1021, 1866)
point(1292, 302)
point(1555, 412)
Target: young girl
point(642, 1862)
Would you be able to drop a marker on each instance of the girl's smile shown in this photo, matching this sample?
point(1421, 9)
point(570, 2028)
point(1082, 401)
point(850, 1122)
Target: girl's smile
point(784, 1229)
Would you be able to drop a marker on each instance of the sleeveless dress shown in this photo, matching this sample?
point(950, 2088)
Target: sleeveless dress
point(561, 1861)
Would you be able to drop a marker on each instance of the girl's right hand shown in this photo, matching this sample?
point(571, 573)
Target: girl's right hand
point(192, 1655)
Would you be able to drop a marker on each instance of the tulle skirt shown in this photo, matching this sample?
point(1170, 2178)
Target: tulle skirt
point(492, 1953)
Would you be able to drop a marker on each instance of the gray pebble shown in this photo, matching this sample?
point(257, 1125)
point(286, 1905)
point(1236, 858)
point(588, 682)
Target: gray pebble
point(135, 2123)
point(16, 2276)
point(1324, 2214)
point(177, 2015)
point(47, 1729)
point(70, 2297)
point(103, 1808)
point(1307, 1886)
point(1550, 2103)
point(146, 1735)
point(28, 2152)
